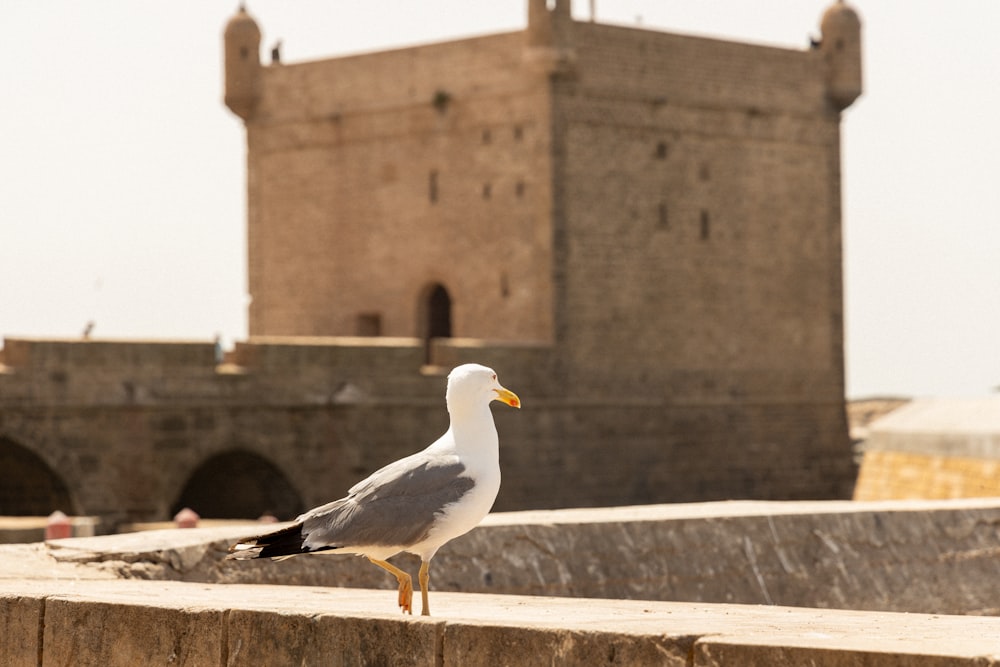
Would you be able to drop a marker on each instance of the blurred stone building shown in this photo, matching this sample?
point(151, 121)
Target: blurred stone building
point(641, 231)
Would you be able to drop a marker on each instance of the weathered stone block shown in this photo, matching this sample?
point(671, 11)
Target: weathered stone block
point(129, 633)
point(476, 645)
point(727, 652)
point(20, 622)
point(290, 638)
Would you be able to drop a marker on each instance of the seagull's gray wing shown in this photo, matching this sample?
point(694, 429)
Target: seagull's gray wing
point(395, 506)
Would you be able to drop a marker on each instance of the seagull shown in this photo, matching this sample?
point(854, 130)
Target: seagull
point(415, 504)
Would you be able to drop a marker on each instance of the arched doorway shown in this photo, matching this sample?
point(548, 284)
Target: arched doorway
point(435, 316)
point(30, 487)
point(438, 313)
point(239, 485)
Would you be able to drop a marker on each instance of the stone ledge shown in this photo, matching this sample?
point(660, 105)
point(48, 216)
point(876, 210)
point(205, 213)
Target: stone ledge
point(912, 556)
point(136, 622)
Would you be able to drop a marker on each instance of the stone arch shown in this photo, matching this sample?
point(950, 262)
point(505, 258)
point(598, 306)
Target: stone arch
point(30, 487)
point(239, 484)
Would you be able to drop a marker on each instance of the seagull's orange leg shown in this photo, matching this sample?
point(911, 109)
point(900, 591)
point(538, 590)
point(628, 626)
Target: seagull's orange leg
point(425, 579)
point(405, 584)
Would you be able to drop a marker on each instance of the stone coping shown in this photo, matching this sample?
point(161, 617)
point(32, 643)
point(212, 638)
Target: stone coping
point(136, 622)
point(903, 556)
point(728, 509)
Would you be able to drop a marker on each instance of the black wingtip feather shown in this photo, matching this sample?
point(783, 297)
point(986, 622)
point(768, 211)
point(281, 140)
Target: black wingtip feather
point(284, 542)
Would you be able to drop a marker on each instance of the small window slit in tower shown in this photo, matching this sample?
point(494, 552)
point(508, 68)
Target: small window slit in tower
point(432, 186)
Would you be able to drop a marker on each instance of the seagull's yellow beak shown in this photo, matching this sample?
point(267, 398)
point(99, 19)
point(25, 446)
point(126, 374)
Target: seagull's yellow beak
point(508, 397)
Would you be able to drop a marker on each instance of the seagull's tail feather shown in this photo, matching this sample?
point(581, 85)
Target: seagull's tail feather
point(284, 542)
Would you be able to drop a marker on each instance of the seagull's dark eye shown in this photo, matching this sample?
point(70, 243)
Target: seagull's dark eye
point(494, 376)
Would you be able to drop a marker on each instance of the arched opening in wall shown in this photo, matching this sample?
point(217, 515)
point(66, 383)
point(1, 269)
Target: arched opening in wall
point(435, 316)
point(239, 485)
point(29, 487)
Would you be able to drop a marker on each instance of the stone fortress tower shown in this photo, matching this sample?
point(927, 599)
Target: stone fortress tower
point(659, 213)
point(500, 187)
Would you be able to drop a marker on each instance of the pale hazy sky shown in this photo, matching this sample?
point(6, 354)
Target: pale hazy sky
point(122, 174)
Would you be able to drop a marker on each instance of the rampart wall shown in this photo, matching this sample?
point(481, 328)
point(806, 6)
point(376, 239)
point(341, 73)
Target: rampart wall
point(134, 429)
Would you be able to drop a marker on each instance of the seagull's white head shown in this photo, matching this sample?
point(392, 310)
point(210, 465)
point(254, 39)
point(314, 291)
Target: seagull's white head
point(472, 386)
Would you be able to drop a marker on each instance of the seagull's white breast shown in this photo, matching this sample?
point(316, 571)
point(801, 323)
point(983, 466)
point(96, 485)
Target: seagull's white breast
point(476, 444)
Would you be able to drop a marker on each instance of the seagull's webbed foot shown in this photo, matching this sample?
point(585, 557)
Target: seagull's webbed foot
point(405, 585)
point(406, 595)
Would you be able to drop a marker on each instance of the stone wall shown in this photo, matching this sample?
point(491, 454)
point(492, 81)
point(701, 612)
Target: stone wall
point(902, 556)
point(126, 426)
point(933, 448)
point(700, 216)
point(125, 623)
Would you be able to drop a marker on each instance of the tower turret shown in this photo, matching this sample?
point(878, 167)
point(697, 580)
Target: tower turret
point(841, 50)
point(548, 37)
point(242, 63)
